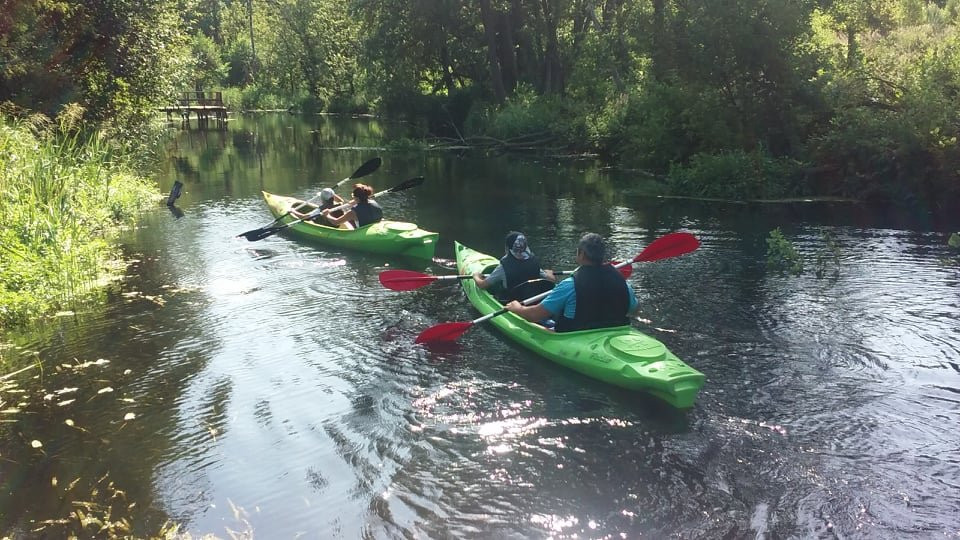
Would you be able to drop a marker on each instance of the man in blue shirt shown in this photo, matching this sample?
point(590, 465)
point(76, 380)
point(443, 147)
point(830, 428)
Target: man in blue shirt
point(596, 296)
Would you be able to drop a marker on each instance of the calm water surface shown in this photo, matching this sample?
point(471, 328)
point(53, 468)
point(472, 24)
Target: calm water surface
point(273, 388)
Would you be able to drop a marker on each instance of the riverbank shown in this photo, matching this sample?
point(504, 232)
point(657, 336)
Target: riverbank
point(64, 194)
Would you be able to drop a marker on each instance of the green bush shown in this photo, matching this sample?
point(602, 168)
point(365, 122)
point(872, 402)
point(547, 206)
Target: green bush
point(255, 97)
point(642, 128)
point(348, 104)
point(310, 105)
point(737, 175)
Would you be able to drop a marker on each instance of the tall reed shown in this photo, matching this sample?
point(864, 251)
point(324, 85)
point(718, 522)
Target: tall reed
point(64, 193)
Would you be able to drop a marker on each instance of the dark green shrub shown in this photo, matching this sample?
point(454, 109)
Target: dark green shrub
point(737, 175)
point(348, 104)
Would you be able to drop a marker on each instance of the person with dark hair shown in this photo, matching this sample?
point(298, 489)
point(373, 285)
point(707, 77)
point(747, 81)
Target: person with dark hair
point(518, 276)
point(596, 296)
point(364, 212)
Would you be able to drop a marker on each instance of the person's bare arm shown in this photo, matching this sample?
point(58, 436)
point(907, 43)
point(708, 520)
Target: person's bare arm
point(336, 221)
point(532, 313)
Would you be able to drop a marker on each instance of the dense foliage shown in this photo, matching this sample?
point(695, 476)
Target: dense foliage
point(725, 98)
point(728, 98)
point(63, 194)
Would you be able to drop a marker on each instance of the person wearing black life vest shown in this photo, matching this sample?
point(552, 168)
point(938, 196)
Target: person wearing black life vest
point(518, 275)
point(596, 296)
point(364, 211)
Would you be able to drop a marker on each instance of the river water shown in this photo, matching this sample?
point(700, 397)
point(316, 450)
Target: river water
point(273, 388)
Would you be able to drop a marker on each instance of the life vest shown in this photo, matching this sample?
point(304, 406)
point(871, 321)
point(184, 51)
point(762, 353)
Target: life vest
point(367, 213)
point(602, 300)
point(518, 272)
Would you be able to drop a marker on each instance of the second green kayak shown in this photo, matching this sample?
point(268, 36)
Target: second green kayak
point(386, 237)
point(622, 355)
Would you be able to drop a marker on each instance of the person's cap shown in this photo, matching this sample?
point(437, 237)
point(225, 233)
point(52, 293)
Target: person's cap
point(326, 194)
point(516, 244)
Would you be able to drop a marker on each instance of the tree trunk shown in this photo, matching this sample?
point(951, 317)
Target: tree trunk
point(621, 57)
point(553, 77)
point(490, 32)
point(447, 75)
point(508, 53)
point(851, 46)
point(659, 37)
point(253, 49)
point(526, 59)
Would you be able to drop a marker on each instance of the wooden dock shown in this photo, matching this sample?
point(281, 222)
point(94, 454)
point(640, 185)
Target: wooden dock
point(206, 105)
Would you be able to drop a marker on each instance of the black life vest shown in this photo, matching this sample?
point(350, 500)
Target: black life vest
point(602, 300)
point(519, 272)
point(367, 213)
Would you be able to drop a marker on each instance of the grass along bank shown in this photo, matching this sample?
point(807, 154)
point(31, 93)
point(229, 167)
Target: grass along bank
point(64, 194)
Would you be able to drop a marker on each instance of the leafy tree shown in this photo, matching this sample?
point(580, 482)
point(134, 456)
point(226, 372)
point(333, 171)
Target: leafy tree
point(117, 58)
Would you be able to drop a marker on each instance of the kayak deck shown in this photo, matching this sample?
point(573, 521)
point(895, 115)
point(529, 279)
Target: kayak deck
point(622, 356)
point(385, 237)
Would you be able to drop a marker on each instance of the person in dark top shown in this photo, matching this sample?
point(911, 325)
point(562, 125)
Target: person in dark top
point(364, 212)
point(329, 200)
point(596, 296)
point(518, 276)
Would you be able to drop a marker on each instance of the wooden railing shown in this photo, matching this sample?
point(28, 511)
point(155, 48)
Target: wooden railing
point(201, 99)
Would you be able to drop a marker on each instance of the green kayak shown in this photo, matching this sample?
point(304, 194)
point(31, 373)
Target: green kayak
point(622, 356)
point(387, 237)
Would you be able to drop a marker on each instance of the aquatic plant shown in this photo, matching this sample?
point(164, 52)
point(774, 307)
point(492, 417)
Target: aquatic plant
point(827, 254)
point(781, 255)
point(64, 194)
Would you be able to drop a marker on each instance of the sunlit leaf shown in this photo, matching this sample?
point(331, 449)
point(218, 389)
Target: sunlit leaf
point(68, 422)
point(129, 416)
point(954, 240)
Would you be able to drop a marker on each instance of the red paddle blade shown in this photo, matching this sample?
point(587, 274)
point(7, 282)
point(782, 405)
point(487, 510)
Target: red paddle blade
point(625, 270)
point(669, 245)
point(404, 280)
point(443, 332)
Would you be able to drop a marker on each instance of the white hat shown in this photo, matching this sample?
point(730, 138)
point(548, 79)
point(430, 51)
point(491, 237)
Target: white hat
point(326, 194)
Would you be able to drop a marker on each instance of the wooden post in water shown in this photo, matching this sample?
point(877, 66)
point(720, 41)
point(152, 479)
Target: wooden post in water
point(174, 192)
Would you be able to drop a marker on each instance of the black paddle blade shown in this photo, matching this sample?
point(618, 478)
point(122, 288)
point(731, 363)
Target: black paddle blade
point(367, 168)
point(263, 233)
point(254, 234)
point(413, 182)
